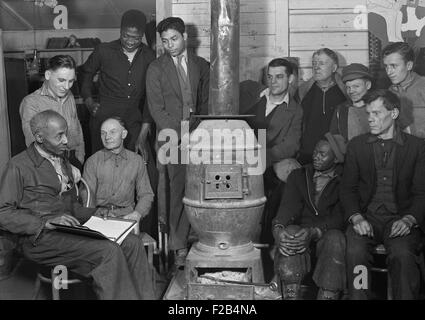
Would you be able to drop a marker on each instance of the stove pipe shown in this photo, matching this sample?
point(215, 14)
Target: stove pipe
point(224, 70)
point(224, 193)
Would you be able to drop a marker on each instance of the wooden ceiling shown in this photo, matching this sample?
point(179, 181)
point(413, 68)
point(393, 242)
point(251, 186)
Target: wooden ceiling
point(82, 14)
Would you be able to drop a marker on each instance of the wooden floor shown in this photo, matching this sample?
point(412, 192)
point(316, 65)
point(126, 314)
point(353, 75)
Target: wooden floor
point(20, 285)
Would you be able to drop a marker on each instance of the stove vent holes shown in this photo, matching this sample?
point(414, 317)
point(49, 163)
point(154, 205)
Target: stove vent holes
point(225, 181)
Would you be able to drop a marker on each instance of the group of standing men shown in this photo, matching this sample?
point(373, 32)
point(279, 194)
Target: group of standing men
point(378, 193)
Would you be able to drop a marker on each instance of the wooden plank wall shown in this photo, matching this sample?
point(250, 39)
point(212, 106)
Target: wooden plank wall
point(263, 31)
point(315, 24)
point(4, 119)
point(281, 28)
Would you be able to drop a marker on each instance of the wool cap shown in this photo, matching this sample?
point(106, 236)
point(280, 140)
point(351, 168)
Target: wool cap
point(355, 71)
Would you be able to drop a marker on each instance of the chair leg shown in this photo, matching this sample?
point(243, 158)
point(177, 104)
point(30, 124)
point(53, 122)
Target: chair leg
point(151, 248)
point(166, 252)
point(37, 288)
point(389, 288)
point(159, 252)
point(55, 292)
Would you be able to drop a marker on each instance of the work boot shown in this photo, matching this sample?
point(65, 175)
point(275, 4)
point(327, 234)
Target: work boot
point(325, 294)
point(291, 291)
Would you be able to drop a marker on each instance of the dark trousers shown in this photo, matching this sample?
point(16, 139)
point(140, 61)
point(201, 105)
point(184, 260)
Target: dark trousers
point(329, 272)
point(402, 259)
point(273, 190)
point(178, 222)
point(118, 272)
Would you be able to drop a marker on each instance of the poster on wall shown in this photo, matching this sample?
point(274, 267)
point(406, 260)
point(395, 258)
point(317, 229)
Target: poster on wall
point(394, 21)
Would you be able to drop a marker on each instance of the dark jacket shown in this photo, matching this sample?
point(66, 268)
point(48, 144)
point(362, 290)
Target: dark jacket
point(359, 179)
point(283, 128)
point(30, 194)
point(305, 86)
point(339, 122)
point(298, 207)
point(165, 99)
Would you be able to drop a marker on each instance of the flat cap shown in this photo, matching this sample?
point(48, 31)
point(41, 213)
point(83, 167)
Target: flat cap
point(355, 71)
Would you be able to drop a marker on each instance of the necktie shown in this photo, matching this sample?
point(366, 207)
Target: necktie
point(180, 68)
point(184, 78)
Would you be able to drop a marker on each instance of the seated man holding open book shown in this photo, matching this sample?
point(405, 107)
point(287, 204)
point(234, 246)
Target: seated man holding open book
point(37, 191)
point(117, 176)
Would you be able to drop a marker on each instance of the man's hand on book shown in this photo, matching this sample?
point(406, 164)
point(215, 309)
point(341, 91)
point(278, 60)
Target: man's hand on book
point(134, 216)
point(65, 219)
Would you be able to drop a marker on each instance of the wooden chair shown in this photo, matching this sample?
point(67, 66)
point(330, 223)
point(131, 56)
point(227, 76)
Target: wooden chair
point(381, 250)
point(45, 275)
point(48, 275)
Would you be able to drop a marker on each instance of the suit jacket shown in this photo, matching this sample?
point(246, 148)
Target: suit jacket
point(283, 128)
point(298, 207)
point(164, 95)
point(359, 178)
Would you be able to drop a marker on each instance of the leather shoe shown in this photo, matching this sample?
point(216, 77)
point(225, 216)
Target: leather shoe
point(324, 294)
point(291, 291)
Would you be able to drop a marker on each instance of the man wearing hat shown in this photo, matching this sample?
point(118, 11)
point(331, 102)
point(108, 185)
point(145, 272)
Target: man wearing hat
point(383, 195)
point(310, 220)
point(122, 66)
point(350, 117)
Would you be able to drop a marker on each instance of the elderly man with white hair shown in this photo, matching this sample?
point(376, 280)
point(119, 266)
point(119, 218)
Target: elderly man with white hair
point(115, 174)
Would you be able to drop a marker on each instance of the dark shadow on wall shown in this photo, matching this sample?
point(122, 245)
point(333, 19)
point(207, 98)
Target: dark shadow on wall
point(193, 41)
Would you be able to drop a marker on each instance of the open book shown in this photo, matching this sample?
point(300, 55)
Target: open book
point(114, 229)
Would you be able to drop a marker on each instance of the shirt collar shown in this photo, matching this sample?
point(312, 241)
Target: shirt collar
point(397, 138)
point(45, 154)
point(411, 77)
point(184, 54)
point(329, 174)
point(34, 155)
point(266, 93)
point(116, 45)
point(109, 154)
point(332, 84)
point(44, 91)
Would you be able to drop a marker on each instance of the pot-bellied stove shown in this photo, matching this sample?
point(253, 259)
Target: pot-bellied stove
point(224, 197)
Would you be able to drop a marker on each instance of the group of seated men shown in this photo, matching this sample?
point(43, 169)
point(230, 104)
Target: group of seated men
point(376, 197)
point(38, 188)
point(361, 180)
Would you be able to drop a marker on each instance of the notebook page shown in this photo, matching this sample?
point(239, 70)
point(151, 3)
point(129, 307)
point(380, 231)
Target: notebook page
point(112, 229)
